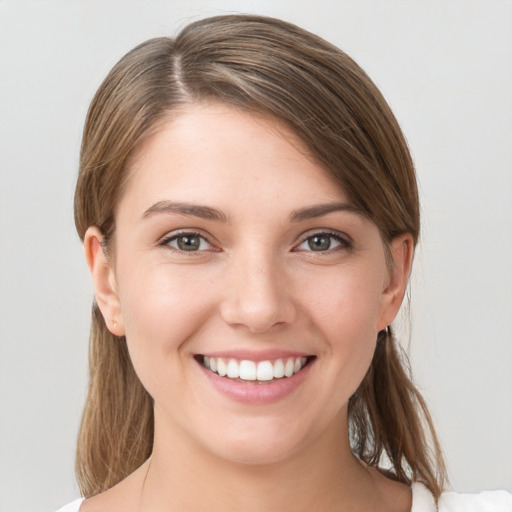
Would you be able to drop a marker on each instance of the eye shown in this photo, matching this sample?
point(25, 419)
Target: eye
point(322, 242)
point(187, 242)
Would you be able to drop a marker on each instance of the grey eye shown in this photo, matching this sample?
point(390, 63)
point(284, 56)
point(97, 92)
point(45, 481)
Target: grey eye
point(320, 242)
point(188, 242)
point(323, 242)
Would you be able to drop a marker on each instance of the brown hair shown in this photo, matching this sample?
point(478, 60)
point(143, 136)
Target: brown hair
point(272, 67)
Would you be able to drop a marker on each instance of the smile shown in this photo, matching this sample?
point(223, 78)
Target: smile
point(261, 371)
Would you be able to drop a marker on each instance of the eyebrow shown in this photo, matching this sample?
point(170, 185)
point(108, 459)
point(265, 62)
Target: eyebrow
point(209, 213)
point(187, 209)
point(319, 210)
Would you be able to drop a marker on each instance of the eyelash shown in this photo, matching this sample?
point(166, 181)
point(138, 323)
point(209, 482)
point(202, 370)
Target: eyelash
point(343, 242)
point(165, 242)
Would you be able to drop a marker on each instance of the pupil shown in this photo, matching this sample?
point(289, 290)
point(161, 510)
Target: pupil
point(319, 243)
point(188, 243)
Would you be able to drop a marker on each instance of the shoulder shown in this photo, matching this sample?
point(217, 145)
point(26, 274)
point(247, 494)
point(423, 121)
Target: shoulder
point(422, 499)
point(72, 507)
point(488, 501)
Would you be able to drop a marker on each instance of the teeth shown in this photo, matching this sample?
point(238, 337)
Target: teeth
point(221, 368)
point(278, 369)
point(233, 369)
point(265, 370)
point(250, 370)
point(288, 368)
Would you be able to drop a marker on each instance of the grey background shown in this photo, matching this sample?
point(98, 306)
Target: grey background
point(445, 66)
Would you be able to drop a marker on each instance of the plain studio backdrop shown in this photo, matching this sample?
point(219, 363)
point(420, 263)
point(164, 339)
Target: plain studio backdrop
point(445, 66)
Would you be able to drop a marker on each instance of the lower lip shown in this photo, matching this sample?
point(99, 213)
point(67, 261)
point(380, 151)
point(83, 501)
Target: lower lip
point(252, 392)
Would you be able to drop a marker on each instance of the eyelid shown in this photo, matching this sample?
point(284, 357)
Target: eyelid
point(344, 239)
point(169, 237)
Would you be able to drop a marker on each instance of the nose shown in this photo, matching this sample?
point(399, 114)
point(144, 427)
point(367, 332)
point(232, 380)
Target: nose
point(258, 295)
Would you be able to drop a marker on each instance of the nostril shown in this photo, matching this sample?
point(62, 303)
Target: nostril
point(258, 318)
point(256, 295)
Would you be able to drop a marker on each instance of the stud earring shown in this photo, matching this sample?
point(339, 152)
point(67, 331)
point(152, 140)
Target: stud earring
point(114, 322)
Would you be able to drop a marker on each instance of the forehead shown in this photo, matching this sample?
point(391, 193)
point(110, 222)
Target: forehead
point(209, 149)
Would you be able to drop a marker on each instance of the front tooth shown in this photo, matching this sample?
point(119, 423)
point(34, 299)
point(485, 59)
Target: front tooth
point(213, 364)
point(278, 369)
point(221, 368)
point(289, 367)
point(265, 370)
point(233, 369)
point(297, 365)
point(248, 370)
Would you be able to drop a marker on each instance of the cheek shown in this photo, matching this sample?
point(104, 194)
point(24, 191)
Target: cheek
point(161, 311)
point(346, 312)
point(347, 301)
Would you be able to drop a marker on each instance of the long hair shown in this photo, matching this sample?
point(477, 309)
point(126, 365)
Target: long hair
point(266, 66)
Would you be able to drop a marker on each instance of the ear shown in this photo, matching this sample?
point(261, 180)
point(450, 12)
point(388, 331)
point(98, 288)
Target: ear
point(402, 252)
point(104, 281)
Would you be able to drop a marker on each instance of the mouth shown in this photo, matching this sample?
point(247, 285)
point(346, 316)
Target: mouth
point(257, 372)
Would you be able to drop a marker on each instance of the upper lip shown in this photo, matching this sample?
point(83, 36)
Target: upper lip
point(256, 355)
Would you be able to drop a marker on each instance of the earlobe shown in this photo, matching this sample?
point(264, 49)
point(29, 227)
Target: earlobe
point(402, 252)
point(104, 281)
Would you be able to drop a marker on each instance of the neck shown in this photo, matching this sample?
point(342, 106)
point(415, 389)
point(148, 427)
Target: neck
point(325, 476)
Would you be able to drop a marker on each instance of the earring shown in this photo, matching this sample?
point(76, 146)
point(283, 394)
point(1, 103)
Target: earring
point(114, 323)
point(385, 333)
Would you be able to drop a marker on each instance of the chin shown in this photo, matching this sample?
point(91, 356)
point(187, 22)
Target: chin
point(260, 442)
point(258, 454)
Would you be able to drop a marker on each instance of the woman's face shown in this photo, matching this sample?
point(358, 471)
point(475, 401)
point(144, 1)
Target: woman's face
point(233, 249)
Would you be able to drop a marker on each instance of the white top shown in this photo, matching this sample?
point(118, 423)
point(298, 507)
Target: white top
point(488, 501)
point(423, 501)
point(71, 507)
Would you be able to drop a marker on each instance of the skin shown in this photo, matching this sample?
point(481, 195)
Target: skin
point(253, 284)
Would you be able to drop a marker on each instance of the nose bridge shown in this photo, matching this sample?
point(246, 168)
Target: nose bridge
point(257, 296)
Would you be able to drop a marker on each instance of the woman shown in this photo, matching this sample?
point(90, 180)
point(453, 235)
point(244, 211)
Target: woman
point(249, 213)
